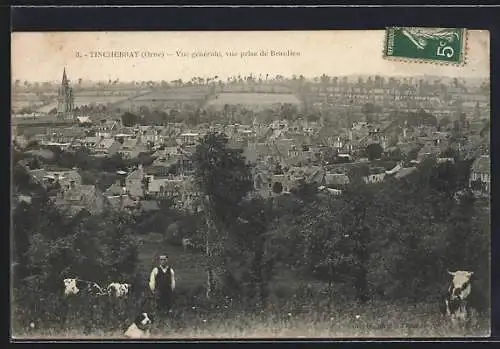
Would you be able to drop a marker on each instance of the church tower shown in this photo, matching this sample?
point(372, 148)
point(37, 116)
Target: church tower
point(65, 99)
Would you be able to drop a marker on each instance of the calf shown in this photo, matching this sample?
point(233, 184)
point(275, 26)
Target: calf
point(456, 300)
point(118, 290)
point(74, 286)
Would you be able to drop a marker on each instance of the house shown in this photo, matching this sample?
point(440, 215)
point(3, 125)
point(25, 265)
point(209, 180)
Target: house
point(114, 189)
point(84, 120)
point(445, 160)
point(122, 202)
point(150, 136)
point(335, 180)
point(480, 176)
point(90, 142)
point(107, 146)
point(77, 197)
point(134, 183)
point(131, 148)
point(157, 187)
point(376, 175)
point(428, 150)
point(20, 141)
point(64, 178)
point(188, 138)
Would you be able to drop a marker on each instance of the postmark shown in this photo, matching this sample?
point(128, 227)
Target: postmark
point(426, 45)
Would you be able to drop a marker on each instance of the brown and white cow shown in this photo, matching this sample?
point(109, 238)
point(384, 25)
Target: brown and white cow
point(119, 290)
point(456, 303)
point(75, 286)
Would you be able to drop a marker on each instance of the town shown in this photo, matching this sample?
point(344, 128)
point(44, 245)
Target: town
point(291, 129)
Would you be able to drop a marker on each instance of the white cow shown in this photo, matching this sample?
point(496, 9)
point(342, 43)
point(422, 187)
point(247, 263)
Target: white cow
point(456, 299)
point(74, 286)
point(118, 290)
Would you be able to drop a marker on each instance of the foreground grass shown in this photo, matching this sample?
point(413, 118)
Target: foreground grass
point(354, 323)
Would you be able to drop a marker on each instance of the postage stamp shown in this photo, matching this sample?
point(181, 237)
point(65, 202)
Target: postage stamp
point(436, 45)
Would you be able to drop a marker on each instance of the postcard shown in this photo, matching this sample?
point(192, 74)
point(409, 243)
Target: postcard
point(266, 184)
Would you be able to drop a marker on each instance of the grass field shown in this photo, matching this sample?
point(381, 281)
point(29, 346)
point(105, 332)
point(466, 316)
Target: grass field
point(378, 322)
point(286, 317)
point(253, 99)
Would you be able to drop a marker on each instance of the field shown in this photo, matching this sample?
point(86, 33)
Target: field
point(253, 99)
point(382, 321)
point(291, 318)
point(82, 97)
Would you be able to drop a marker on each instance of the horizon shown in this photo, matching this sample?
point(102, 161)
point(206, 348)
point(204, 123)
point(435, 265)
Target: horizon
point(41, 57)
point(253, 74)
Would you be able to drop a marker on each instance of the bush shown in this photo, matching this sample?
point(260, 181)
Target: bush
point(94, 248)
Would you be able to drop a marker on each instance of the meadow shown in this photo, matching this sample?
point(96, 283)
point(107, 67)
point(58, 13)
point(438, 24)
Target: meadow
point(343, 321)
point(291, 313)
point(253, 99)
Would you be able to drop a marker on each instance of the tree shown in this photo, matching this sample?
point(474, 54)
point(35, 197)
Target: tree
point(224, 178)
point(355, 220)
point(277, 188)
point(368, 109)
point(374, 151)
point(250, 251)
point(129, 119)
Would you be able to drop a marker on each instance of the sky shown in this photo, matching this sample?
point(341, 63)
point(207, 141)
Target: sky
point(42, 56)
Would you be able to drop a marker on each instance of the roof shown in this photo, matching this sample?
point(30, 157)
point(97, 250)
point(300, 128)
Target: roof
point(83, 119)
point(136, 174)
point(91, 139)
point(106, 143)
point(129, 143)
point(482, 164)
point(114, 189)
point(155, 184)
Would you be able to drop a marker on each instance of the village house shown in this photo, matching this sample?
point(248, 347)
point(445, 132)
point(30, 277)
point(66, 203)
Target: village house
point(78, 197)
point(480, 176)
point(91, 142)
point(63, 178)
point(374, 178)
point(107, 147)
point(429, 150)
point(21, 141)
point(64, 135)
point(150, 136)
point(122, 202)
point(335, 180)
point(134, 183)
point(83, 120)
point(131, 148)
point(189, 138)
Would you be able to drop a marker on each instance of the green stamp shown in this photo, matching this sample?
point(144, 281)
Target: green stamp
point(438, 45)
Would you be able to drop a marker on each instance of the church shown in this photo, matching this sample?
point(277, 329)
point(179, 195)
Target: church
point(65, 100)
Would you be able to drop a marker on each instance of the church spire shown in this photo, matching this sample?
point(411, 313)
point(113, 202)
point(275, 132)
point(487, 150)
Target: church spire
point(64, 78)
point(65, 98)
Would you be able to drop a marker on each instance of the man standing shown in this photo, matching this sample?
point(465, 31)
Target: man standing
point(162, 285)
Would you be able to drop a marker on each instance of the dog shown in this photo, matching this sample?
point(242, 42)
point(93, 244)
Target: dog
point(141, 328)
